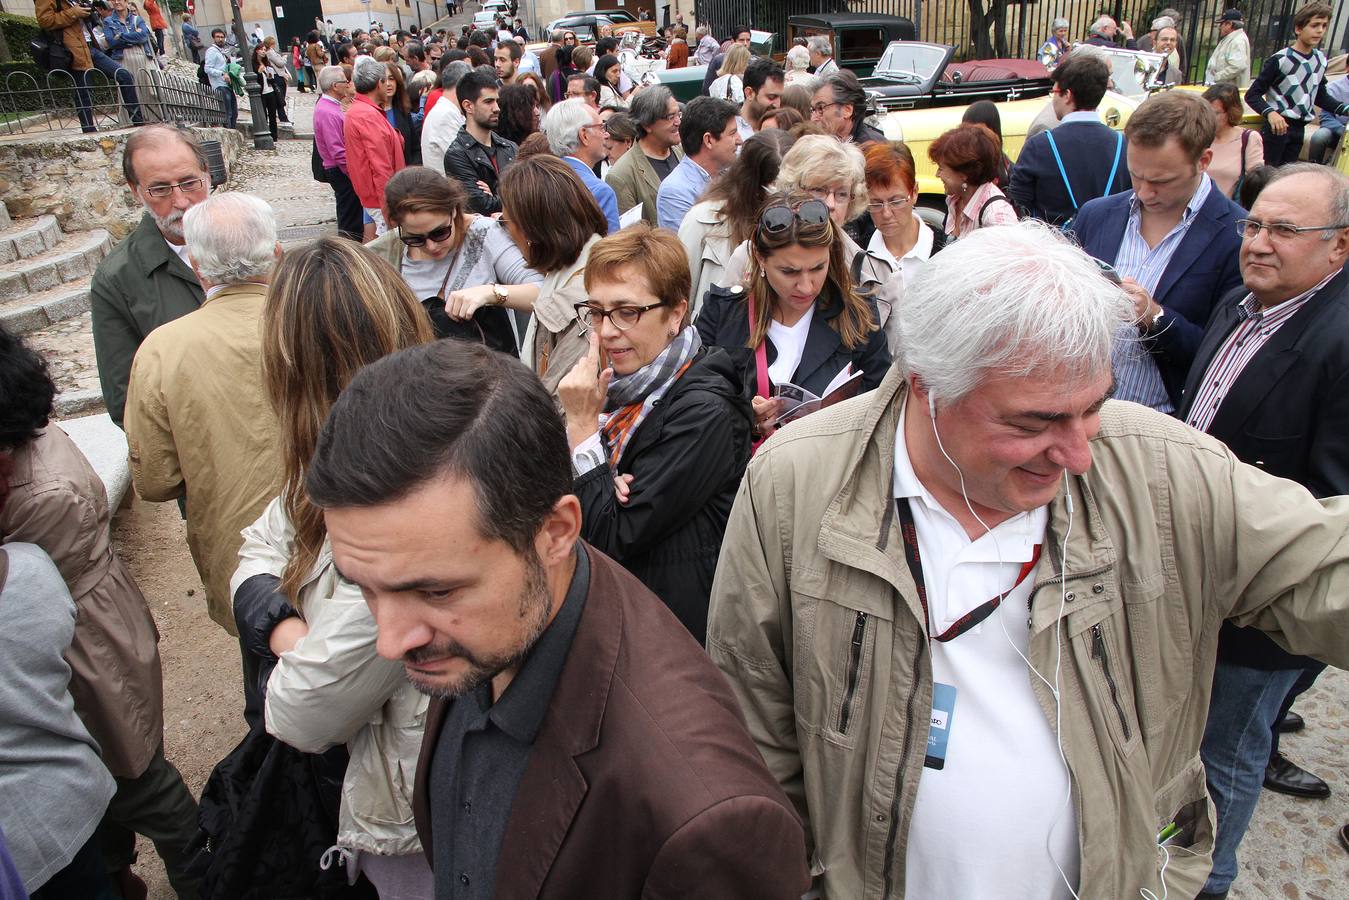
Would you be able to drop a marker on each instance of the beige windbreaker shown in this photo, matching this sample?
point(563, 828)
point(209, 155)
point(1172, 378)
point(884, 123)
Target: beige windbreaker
point(1170, 535)
point(333, 688)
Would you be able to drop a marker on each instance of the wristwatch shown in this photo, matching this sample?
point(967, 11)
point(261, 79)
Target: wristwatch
point(500, 295)
point(1157, 319)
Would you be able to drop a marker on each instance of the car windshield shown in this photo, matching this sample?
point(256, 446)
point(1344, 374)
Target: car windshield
point(1132, 71)
point(910, 61)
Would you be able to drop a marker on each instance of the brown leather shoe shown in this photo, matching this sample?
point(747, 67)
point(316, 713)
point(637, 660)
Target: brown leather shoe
point(129, 885)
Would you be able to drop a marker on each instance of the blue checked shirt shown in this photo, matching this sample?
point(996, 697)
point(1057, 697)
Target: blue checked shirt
point(1136, 375)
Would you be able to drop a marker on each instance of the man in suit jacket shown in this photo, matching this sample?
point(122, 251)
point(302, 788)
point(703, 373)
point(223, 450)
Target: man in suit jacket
point(579, 744)
point(1173, 239)
point(634, 177)
point(1268, 380)
point(1090, 155)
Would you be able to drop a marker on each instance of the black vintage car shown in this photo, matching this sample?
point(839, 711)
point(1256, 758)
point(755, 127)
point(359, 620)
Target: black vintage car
point(858, 39)
point(917, 75)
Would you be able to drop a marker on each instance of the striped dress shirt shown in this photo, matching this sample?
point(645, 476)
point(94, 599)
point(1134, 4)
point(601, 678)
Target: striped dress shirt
point(1137, 377)
point(1254, 329)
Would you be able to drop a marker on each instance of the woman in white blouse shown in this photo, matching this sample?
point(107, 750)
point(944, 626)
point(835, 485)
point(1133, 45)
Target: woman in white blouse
point(730, 84)
point(901, 238)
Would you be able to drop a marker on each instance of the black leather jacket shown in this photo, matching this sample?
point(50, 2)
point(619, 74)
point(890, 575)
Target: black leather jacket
point(468, 162)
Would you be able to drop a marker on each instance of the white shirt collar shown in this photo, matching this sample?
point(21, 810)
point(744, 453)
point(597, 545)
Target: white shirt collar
point(1081, 115)
point(921, 249)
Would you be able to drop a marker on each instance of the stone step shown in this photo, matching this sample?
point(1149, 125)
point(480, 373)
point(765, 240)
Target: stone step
point(27, 238)
point(75, 257)
point(39, 310)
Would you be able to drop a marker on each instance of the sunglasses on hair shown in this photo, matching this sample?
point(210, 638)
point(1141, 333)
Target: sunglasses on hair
point(777, 219)
point(436, 234)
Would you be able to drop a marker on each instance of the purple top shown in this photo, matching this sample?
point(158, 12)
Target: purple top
point(328, 133)
point(11, 885)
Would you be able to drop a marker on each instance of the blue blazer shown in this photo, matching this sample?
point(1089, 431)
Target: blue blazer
point(1088, 151)
point(1202, 271)
point(604, 195)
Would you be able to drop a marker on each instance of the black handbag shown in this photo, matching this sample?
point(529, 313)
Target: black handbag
point(49, 51)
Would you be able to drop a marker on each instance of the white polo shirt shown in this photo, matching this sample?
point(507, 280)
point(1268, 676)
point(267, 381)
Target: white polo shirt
point(981, 823)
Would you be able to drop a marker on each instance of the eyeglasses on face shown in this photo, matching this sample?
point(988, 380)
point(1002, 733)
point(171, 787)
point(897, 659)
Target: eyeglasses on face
point(777, 219)
point(623, 317)
point(160, 191)
point(824, 195)
point(893, 205)
point(819, 108)
point(1281, 231)
point(438, 235)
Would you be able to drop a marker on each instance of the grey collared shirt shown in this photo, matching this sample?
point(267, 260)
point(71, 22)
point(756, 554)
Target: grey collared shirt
point(482, 751)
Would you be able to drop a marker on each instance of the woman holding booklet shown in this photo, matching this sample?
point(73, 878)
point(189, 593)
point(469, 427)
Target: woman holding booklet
point(800, 315)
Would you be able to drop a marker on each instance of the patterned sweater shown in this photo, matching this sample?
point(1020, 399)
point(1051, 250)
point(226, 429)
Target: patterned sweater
point(1291, 84)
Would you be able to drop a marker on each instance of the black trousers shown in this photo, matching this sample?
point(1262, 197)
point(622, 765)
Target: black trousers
point(1286, 147)
point(350, 219)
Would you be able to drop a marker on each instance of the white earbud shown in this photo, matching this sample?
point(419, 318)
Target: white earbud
point(931, 406)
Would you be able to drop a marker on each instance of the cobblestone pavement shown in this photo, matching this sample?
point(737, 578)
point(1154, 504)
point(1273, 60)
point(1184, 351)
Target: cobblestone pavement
point(69, 349)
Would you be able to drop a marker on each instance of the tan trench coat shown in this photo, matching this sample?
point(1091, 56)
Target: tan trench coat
point(198, 425)
point(57, 501)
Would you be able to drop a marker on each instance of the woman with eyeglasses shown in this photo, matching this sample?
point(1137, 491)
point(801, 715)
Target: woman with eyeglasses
point(833, 173)
point(310, 660)
point(465, 269)
point(555, 221)
point(658, 423)
point(901, 238)
point(798, 313)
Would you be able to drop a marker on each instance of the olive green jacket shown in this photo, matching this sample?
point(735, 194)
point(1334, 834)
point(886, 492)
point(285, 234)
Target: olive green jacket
point(634, 181)
point(139, 286)
point(1170, 535)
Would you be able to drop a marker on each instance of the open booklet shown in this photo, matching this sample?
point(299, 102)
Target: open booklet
point(798, 402)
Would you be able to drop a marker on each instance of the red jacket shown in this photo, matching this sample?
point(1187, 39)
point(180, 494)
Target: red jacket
point(154, 15)
point(374, 150)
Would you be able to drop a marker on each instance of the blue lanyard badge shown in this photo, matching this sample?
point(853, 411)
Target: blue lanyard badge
point(943, 711)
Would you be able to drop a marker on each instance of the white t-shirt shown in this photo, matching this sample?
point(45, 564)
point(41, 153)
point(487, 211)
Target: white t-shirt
point(790, 342)
point(981, 824)
point(181, 250)
point(913, 261)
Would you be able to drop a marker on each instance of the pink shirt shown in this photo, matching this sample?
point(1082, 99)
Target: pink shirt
point(1225, 168)
point(1000, 213)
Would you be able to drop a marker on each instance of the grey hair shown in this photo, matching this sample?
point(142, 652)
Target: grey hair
point(1026, 299)
point(231, 237)
point(557, 35)
point(367, 73)
point(820, 44)
point(1337, 183)
point(453, 73)
point(422, 81)
point(701, 32)
point(563, 124)
point(1162, 22)
point(1101, 23)
point(648, 106)
point(1060, 23)
point(798, 59)
point(329, 76)
point(821, 159)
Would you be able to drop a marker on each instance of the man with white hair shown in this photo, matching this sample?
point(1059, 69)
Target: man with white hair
point(374, 147)
point(821, 55)
point(971, 616)
point(1105, 32)
point(576, 134)
point(331, 145)
point(145, 281)
point(198, 422)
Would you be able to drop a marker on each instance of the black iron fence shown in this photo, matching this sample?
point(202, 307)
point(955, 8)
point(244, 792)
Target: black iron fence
point(60, 100)
point(1026, 25)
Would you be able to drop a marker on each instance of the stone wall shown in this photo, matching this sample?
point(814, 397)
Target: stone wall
point(78, 177)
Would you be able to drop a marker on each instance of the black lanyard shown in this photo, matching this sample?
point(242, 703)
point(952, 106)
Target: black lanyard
point(912, 556)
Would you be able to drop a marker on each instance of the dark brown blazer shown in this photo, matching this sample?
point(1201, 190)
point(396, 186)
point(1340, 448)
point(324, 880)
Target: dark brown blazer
point(643, 782)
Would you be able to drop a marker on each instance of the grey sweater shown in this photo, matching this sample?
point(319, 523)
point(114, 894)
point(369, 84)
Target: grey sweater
point(55, 788)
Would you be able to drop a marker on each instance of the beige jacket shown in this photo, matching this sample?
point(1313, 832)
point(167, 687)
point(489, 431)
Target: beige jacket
point(333, 688)
point(553, 342)
point(199, 426)
point(57, 501)
point(634, 181)
point(1171, 535)
point(707, 241)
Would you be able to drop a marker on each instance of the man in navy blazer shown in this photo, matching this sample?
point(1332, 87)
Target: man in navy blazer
point(1090, 161)
point(1172, 239)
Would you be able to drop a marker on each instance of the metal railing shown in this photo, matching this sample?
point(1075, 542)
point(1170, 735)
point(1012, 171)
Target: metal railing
point(51, 102)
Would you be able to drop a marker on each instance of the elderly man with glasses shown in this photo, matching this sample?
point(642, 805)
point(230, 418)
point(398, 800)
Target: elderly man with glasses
point(146, 281)
point(1274, 361)
point(330, 146)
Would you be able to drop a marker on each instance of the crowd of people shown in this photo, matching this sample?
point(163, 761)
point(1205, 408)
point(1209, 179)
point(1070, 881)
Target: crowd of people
point(606, 512)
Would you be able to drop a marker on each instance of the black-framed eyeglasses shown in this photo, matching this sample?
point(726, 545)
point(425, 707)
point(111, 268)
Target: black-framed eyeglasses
point(819, 108)
point(779, 218)
point(160, 191)
point(623, 317)
point(1249, 228)
point(443, 233)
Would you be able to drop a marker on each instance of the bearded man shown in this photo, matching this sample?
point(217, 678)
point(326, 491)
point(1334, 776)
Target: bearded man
point(146, 280)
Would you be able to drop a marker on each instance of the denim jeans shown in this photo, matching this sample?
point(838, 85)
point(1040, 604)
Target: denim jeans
point(125, 83)
point(1235, 751)
point(231, 104)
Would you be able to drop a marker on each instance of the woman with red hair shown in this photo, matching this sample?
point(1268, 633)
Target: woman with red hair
point(967, 161)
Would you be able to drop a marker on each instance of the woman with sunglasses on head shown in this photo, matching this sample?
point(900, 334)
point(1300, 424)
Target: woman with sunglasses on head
point(555, 221)
point(465, 269)
point(798, 312)
point(308, 637)
point(658, 424)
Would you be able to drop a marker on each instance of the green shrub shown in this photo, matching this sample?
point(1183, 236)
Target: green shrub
point(19, 31)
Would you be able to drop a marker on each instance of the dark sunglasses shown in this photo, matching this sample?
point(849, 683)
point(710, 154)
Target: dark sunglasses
point(777, 219)
point(438, 234)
